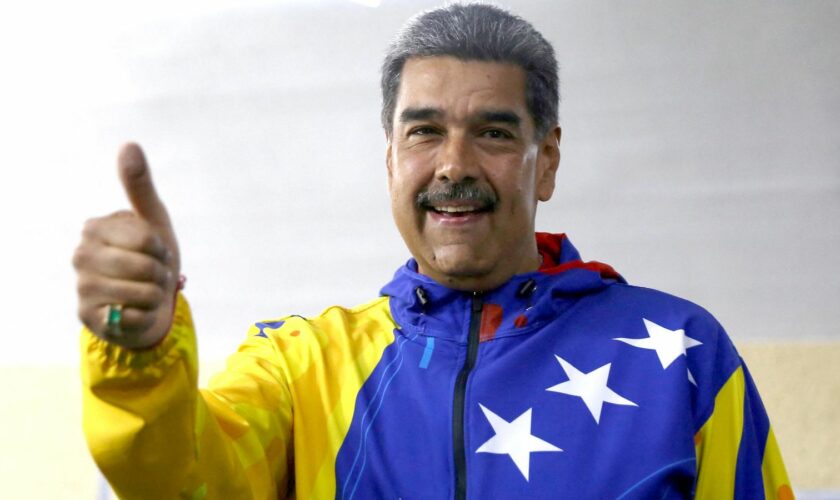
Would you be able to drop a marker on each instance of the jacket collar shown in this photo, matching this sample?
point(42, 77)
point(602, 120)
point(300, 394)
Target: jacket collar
point(421, 305)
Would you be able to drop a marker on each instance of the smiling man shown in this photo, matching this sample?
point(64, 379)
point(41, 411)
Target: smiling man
point(495, 364)
point(466, 169)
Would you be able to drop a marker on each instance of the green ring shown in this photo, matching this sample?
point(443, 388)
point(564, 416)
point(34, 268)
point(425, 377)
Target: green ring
point(114, 315)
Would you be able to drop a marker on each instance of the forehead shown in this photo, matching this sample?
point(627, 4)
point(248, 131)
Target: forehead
point(461, 88)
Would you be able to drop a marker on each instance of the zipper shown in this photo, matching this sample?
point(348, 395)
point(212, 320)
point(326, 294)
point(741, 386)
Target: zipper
point(476, 305)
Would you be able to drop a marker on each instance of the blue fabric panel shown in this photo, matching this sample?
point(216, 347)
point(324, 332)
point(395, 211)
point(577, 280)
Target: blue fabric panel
point(748, 478)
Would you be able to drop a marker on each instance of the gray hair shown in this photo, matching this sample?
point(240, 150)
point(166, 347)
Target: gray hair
point(476, 32)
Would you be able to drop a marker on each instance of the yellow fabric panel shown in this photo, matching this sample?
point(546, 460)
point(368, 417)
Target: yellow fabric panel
point(718, 441)
point(372, 335)
point(251, 405)
point(341, 349)
point(776, 482)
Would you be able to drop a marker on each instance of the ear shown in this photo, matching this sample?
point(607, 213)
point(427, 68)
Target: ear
point(388, 156)
point(547, 163)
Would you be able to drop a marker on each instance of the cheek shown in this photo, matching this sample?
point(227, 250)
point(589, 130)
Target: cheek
point(519, 192)
point(408, 177)
point(402, 193)
point(403, 189)
point(515, 184)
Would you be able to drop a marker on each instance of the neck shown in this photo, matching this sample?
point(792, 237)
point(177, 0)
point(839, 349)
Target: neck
point(483, 282)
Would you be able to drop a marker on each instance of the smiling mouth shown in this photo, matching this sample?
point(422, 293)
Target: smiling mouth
point(460, 210)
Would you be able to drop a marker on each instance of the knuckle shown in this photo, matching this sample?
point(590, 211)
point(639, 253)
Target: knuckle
point(86, 286)
point(84, 256)
point(80, 257)
point(91, 227)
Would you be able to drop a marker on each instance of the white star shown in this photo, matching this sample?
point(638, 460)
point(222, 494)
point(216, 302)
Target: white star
point(514, 439)
point(591, 387)
point(668, 344)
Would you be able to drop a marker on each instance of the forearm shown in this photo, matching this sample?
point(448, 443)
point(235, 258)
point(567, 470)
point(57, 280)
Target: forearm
point(149, 429)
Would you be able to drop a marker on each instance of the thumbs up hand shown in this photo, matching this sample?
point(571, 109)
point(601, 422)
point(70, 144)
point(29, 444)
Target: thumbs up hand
point(128, 263)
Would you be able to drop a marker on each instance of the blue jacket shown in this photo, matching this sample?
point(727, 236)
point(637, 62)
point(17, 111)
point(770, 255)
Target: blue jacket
point(563, 383)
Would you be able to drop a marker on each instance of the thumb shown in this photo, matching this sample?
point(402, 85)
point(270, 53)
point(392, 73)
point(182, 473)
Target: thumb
point(137, 181)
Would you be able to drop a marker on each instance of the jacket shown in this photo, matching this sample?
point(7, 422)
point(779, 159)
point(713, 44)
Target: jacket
point(565, 382)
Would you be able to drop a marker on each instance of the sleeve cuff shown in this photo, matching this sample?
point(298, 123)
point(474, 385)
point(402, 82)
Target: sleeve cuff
point(104, 359)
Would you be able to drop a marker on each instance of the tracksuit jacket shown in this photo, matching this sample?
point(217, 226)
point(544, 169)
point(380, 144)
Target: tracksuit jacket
point(563, 383)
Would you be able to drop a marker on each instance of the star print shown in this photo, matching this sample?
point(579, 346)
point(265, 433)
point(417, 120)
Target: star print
point(268, 324)
point(590, 387)
point(514, 439)
point(668, 344)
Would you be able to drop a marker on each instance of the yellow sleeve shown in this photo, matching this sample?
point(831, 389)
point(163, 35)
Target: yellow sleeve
point(737, 453)
point(153, 434)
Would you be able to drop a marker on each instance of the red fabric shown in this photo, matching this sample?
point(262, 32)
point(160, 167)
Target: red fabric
point(605, 270)
point(491, 318)
point(550, 245)
point(520, 321)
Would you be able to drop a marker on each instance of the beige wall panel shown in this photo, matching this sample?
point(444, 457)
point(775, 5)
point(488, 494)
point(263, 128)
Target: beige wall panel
point(800, 386)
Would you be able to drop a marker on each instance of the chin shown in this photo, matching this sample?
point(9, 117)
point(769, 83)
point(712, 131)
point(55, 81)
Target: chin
point(461, 264)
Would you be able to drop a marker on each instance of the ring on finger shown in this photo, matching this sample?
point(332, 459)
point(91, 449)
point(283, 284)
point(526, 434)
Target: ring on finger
point(113, 320)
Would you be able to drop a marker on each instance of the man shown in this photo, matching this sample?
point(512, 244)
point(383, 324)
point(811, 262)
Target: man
point(495, 364)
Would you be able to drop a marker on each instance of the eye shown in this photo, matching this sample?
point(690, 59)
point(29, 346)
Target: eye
point(497, 133)
point(423, 130)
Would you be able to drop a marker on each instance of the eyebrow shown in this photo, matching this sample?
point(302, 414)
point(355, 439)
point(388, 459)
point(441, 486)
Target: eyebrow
point(490, 115)
point(417, 114)
point(500, 116)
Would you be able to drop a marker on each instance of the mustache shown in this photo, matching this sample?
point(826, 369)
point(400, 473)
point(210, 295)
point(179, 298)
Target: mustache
point(457, 191)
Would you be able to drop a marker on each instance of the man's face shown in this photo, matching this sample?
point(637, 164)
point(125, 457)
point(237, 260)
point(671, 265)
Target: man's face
point(465, 171)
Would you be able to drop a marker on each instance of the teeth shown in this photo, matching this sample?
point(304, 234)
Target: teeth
point(455, 209)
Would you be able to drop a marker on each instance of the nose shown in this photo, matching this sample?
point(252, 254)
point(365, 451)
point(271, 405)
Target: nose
point(457, 161)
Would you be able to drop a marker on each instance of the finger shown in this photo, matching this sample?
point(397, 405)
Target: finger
point(137, 181)
point(133, 321)
point(100, 290)
point(128, 232)
point(118, 263)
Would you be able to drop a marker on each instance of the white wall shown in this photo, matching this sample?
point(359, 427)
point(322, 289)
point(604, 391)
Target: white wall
point(699, 153)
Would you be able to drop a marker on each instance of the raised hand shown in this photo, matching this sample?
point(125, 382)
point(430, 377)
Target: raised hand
point(128, 263)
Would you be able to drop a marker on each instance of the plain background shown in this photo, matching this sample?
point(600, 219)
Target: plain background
point(699, 154)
